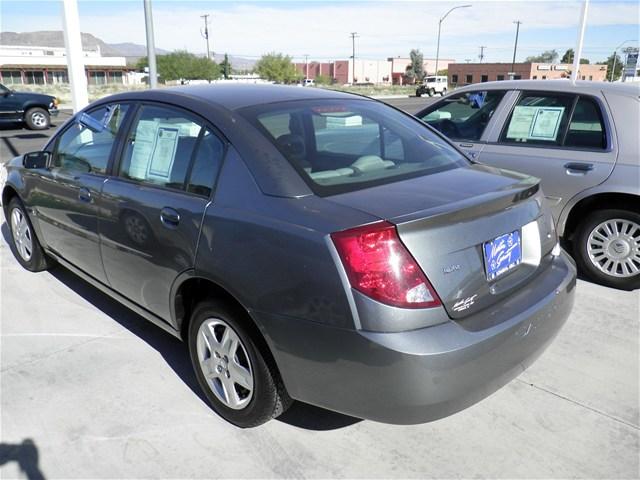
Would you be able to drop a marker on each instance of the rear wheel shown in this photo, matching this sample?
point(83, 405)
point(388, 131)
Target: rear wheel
point(241, 384)
point(443, 92)
point(24, 243)
point(607, 248)
point(37, 118)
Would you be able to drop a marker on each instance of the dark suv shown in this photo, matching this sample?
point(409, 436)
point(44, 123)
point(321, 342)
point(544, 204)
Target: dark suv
point(35, 109)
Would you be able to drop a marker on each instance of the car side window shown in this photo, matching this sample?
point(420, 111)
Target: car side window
point(160, 148)
point(86, 150)
point(206, 164)
point(538, 119)
point(465, 116)
point(586, 129)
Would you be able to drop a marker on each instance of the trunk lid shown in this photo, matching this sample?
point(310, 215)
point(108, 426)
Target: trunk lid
point(444, 220)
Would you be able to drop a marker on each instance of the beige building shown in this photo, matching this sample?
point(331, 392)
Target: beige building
point(468, 73)
point(30, 65)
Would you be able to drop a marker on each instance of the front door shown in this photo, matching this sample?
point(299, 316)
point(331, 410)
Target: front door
point(10, 105)
point(67, 198)
point(152, 207)
point(563, 139)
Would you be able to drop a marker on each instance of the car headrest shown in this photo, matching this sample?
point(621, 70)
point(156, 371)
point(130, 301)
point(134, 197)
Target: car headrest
point(292, 145)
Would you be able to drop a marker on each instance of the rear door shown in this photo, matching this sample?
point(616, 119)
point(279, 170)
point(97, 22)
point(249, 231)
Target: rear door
point(465, 117)
point(564, 139)
point(152, 206)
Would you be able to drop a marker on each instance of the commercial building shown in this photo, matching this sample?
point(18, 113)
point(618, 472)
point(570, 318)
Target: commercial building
point(390, 71)
point(30, 65)
point(468, 73)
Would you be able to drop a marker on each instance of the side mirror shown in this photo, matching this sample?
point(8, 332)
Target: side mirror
point(34, 160)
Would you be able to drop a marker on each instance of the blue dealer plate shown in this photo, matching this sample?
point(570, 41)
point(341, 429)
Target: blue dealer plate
point(502, 254)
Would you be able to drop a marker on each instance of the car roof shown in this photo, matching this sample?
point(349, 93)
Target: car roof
point(619, 88)
point(234, 96)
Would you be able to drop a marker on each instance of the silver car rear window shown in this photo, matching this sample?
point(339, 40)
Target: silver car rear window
point(343, 145)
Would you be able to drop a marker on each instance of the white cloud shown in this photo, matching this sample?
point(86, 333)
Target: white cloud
point(322, 30)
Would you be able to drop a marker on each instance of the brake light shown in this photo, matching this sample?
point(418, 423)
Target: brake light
point(380, 266)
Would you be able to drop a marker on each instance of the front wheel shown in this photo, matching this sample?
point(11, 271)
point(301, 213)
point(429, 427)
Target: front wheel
point(24, 243)
point(37, 119)
point(607, 248)
point(432, 92)
point(240, 382)
point(443, 92)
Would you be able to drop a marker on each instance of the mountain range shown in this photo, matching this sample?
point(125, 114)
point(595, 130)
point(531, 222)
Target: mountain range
point(131, 51)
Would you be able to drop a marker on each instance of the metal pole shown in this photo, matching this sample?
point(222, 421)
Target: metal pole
point(615, 57)
point(578, 51)
point(151, 47)
point(515, 46)
point(306, 66)
point(75, 64)
point(353, 56)
point(438, 47)
point(206, 33)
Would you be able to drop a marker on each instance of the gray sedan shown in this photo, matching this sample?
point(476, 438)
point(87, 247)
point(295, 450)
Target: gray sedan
point(305, 244)
point(581, 140)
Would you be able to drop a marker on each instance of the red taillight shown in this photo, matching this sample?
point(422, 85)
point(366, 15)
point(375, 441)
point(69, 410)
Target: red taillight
point(381, 267)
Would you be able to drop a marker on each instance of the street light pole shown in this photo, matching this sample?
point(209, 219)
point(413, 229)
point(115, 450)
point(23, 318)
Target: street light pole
point(151, 47)
point(75, 61)
point(353, 57)
point(306, 66)
point(578, 51)
point(440, 28)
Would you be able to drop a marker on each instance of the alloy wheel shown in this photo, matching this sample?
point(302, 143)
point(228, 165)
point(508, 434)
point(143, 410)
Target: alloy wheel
point(614, 247)
point(21, 234)
point(39, 119)
point(225, 364)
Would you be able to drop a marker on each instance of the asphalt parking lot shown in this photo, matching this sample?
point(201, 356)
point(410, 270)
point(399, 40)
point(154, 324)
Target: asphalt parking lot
point(90, 390)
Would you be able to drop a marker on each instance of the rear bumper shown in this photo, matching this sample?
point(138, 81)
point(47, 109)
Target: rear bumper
point(426, 374)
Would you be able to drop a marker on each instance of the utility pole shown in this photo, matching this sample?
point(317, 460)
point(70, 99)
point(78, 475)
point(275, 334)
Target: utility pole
point(481, 56)
point(354, 35)
point(306, 66)
point(205, 32)
point(578, 50)
point(151, 46)
point(515, 45)
point(615, 56)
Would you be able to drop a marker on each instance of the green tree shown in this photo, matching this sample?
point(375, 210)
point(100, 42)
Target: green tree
point(568, 58)
point(323, 80)
point(609, 63)
point(183, 65)
point(548, 56)
point(225, 65)
point(277, 68)
point(415, 69)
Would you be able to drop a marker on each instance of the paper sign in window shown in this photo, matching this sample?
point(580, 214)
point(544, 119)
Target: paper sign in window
point(535, 123)
point(164, 151)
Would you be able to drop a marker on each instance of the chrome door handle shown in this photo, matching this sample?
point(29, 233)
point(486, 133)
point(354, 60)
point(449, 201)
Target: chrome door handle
point(84, 195)
point(466, 145)
point(169, 217)
point(578, 168)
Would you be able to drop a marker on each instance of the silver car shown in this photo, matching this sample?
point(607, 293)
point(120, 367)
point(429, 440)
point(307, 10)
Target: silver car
point(581, 140)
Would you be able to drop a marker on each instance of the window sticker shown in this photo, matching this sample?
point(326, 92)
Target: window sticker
point(142, 148)
point(535, 123)
point(164, 152)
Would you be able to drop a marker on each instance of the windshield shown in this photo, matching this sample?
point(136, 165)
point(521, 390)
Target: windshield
point(343, 145)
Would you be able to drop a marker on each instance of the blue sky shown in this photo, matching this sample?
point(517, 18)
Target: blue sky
point(321, 29)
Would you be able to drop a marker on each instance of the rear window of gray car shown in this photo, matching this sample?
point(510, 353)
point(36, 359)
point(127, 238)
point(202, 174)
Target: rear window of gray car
point(344, 145)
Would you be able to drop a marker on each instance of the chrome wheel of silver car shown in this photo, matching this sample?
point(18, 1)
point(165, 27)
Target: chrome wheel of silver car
point(225, 364)
point(21, 234)
point(614, 247)
point(39, 119)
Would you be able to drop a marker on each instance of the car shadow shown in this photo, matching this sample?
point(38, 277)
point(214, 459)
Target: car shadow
point(175, 353)
point(25, 454)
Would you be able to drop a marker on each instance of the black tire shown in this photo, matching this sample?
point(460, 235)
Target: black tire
point(38, 260)
point(269, 397)
point(418, 93)
point(580, 246)
point(37, 118)
point(432, 92)
point(443, 92)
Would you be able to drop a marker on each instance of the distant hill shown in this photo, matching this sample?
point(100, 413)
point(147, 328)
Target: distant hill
point(131, 51)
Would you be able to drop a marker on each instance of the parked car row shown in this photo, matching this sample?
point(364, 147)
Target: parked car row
point(305, 244)
point(581, 141)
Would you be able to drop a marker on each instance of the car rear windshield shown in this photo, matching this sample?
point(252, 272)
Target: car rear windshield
point(343, 145)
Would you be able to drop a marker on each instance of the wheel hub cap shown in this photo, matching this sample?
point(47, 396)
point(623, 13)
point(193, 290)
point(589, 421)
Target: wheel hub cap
point(225, 364)
point(21, 234)
point(614, 247)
